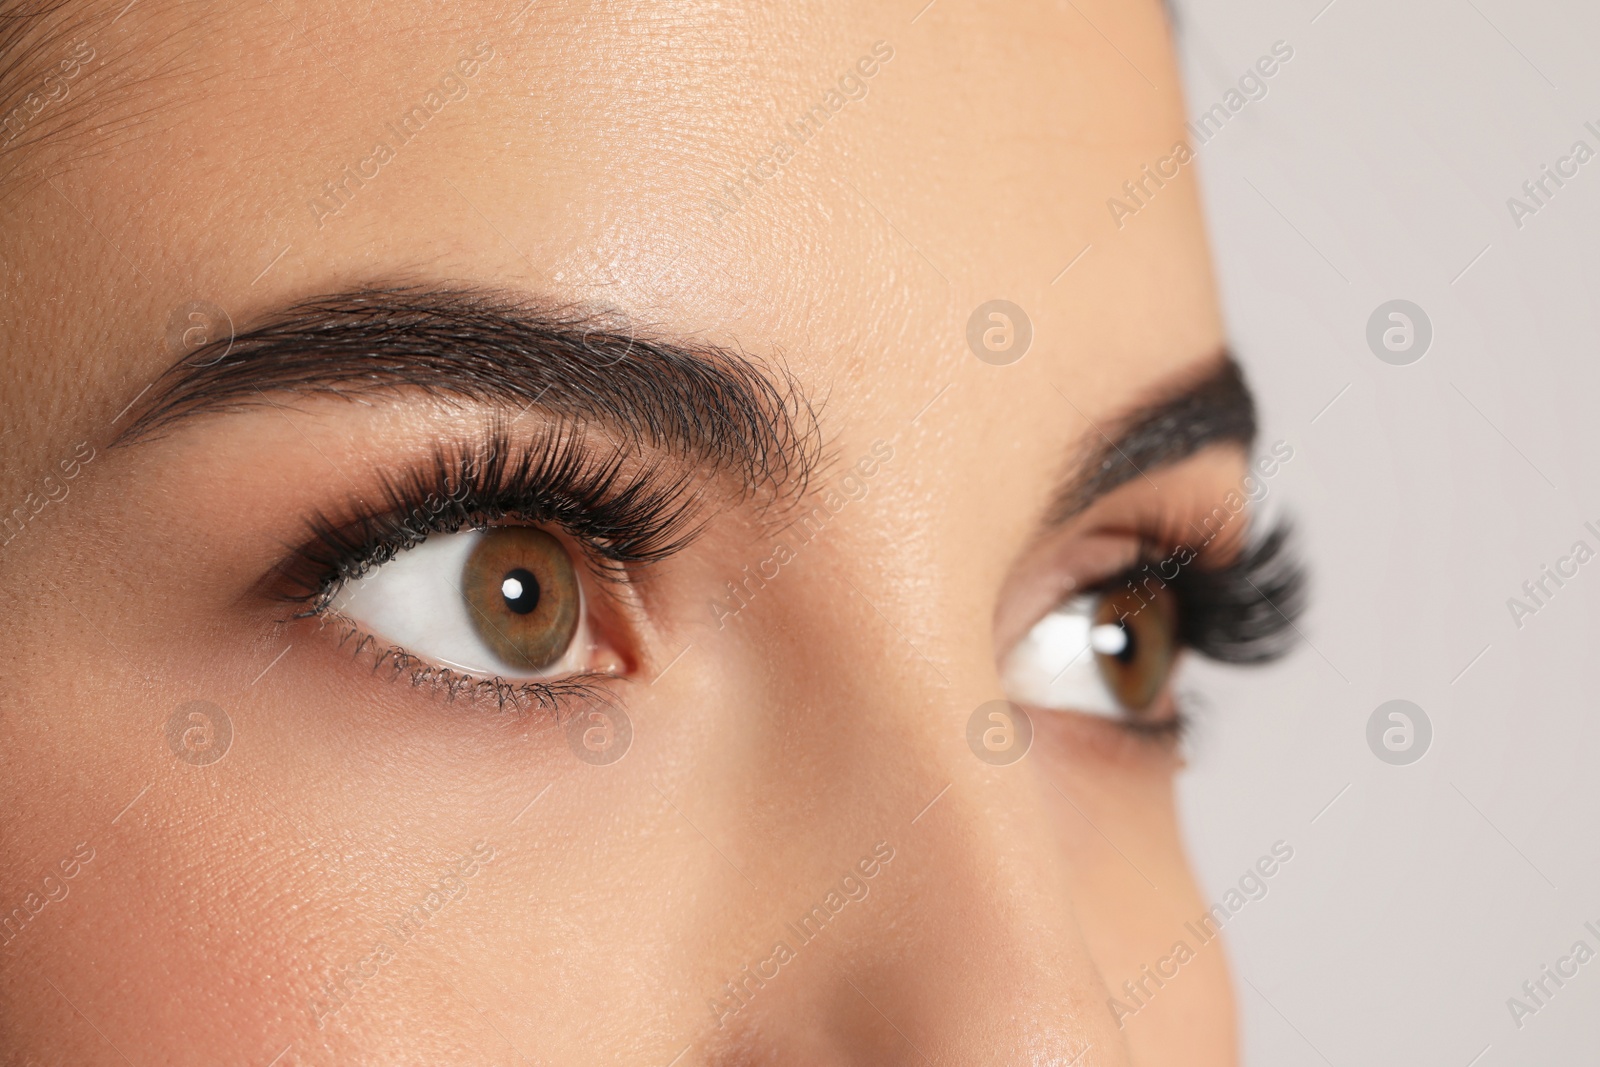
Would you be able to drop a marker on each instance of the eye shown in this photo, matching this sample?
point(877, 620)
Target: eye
point(502, 602)
point(1109, 653)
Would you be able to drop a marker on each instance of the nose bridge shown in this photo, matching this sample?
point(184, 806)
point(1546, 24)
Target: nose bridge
point(963, 946)
point(986, 961)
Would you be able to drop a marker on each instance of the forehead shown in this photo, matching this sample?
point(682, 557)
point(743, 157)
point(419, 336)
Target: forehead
point(839, 186)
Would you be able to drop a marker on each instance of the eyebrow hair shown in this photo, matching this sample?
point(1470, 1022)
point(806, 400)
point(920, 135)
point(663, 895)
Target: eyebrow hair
point(699, 400)
point(1214, 407)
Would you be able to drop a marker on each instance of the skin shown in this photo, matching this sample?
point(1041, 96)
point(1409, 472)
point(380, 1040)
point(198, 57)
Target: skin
point(778, 750)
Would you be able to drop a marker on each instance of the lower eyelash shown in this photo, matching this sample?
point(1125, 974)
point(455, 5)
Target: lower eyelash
point(520, 697)
point(1170, 730)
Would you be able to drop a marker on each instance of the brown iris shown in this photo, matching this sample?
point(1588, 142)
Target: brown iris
point(1147, 619)
point(522, 593)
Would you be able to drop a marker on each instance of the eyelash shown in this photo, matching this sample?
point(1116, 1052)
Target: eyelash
point(1243, 612)
point(1239, 612)
point(623, 521)
point(515, 696)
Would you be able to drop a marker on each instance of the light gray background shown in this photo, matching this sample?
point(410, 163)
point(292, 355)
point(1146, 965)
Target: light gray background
point(1378, 167)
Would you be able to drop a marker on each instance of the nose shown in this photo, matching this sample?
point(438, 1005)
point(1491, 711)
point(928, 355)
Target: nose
point(926, 917)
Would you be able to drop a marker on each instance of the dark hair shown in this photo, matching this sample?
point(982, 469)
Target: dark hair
point(31, 33)
point(59, 62)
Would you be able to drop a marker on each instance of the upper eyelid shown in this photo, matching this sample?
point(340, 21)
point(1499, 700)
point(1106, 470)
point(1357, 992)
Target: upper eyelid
point(560, 480)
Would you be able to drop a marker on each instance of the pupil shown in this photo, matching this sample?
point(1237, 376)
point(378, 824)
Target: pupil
point(521, 591)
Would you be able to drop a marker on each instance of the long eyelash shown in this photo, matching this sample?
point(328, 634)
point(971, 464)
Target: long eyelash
point(1241, 611)
point(622, 518)
point(1244, 611)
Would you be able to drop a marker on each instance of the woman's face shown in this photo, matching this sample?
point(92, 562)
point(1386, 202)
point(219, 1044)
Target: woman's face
point(706, 772)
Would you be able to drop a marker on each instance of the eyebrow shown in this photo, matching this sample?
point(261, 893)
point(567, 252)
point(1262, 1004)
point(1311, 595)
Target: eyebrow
point(705, 402)
point(1179, 420)
point(701, 400)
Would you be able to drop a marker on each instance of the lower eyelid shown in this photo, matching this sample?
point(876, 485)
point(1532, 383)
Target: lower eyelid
point(391, 663)
point(1167, 728)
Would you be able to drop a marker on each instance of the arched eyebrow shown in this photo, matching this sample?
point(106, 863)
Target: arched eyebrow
point(701, 401)
point(706, 403)
point(1180, 419)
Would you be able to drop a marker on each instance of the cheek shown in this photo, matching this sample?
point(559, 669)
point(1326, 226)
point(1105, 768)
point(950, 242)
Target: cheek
point(1124, 788)
point(180, 907)
point(234, 905)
